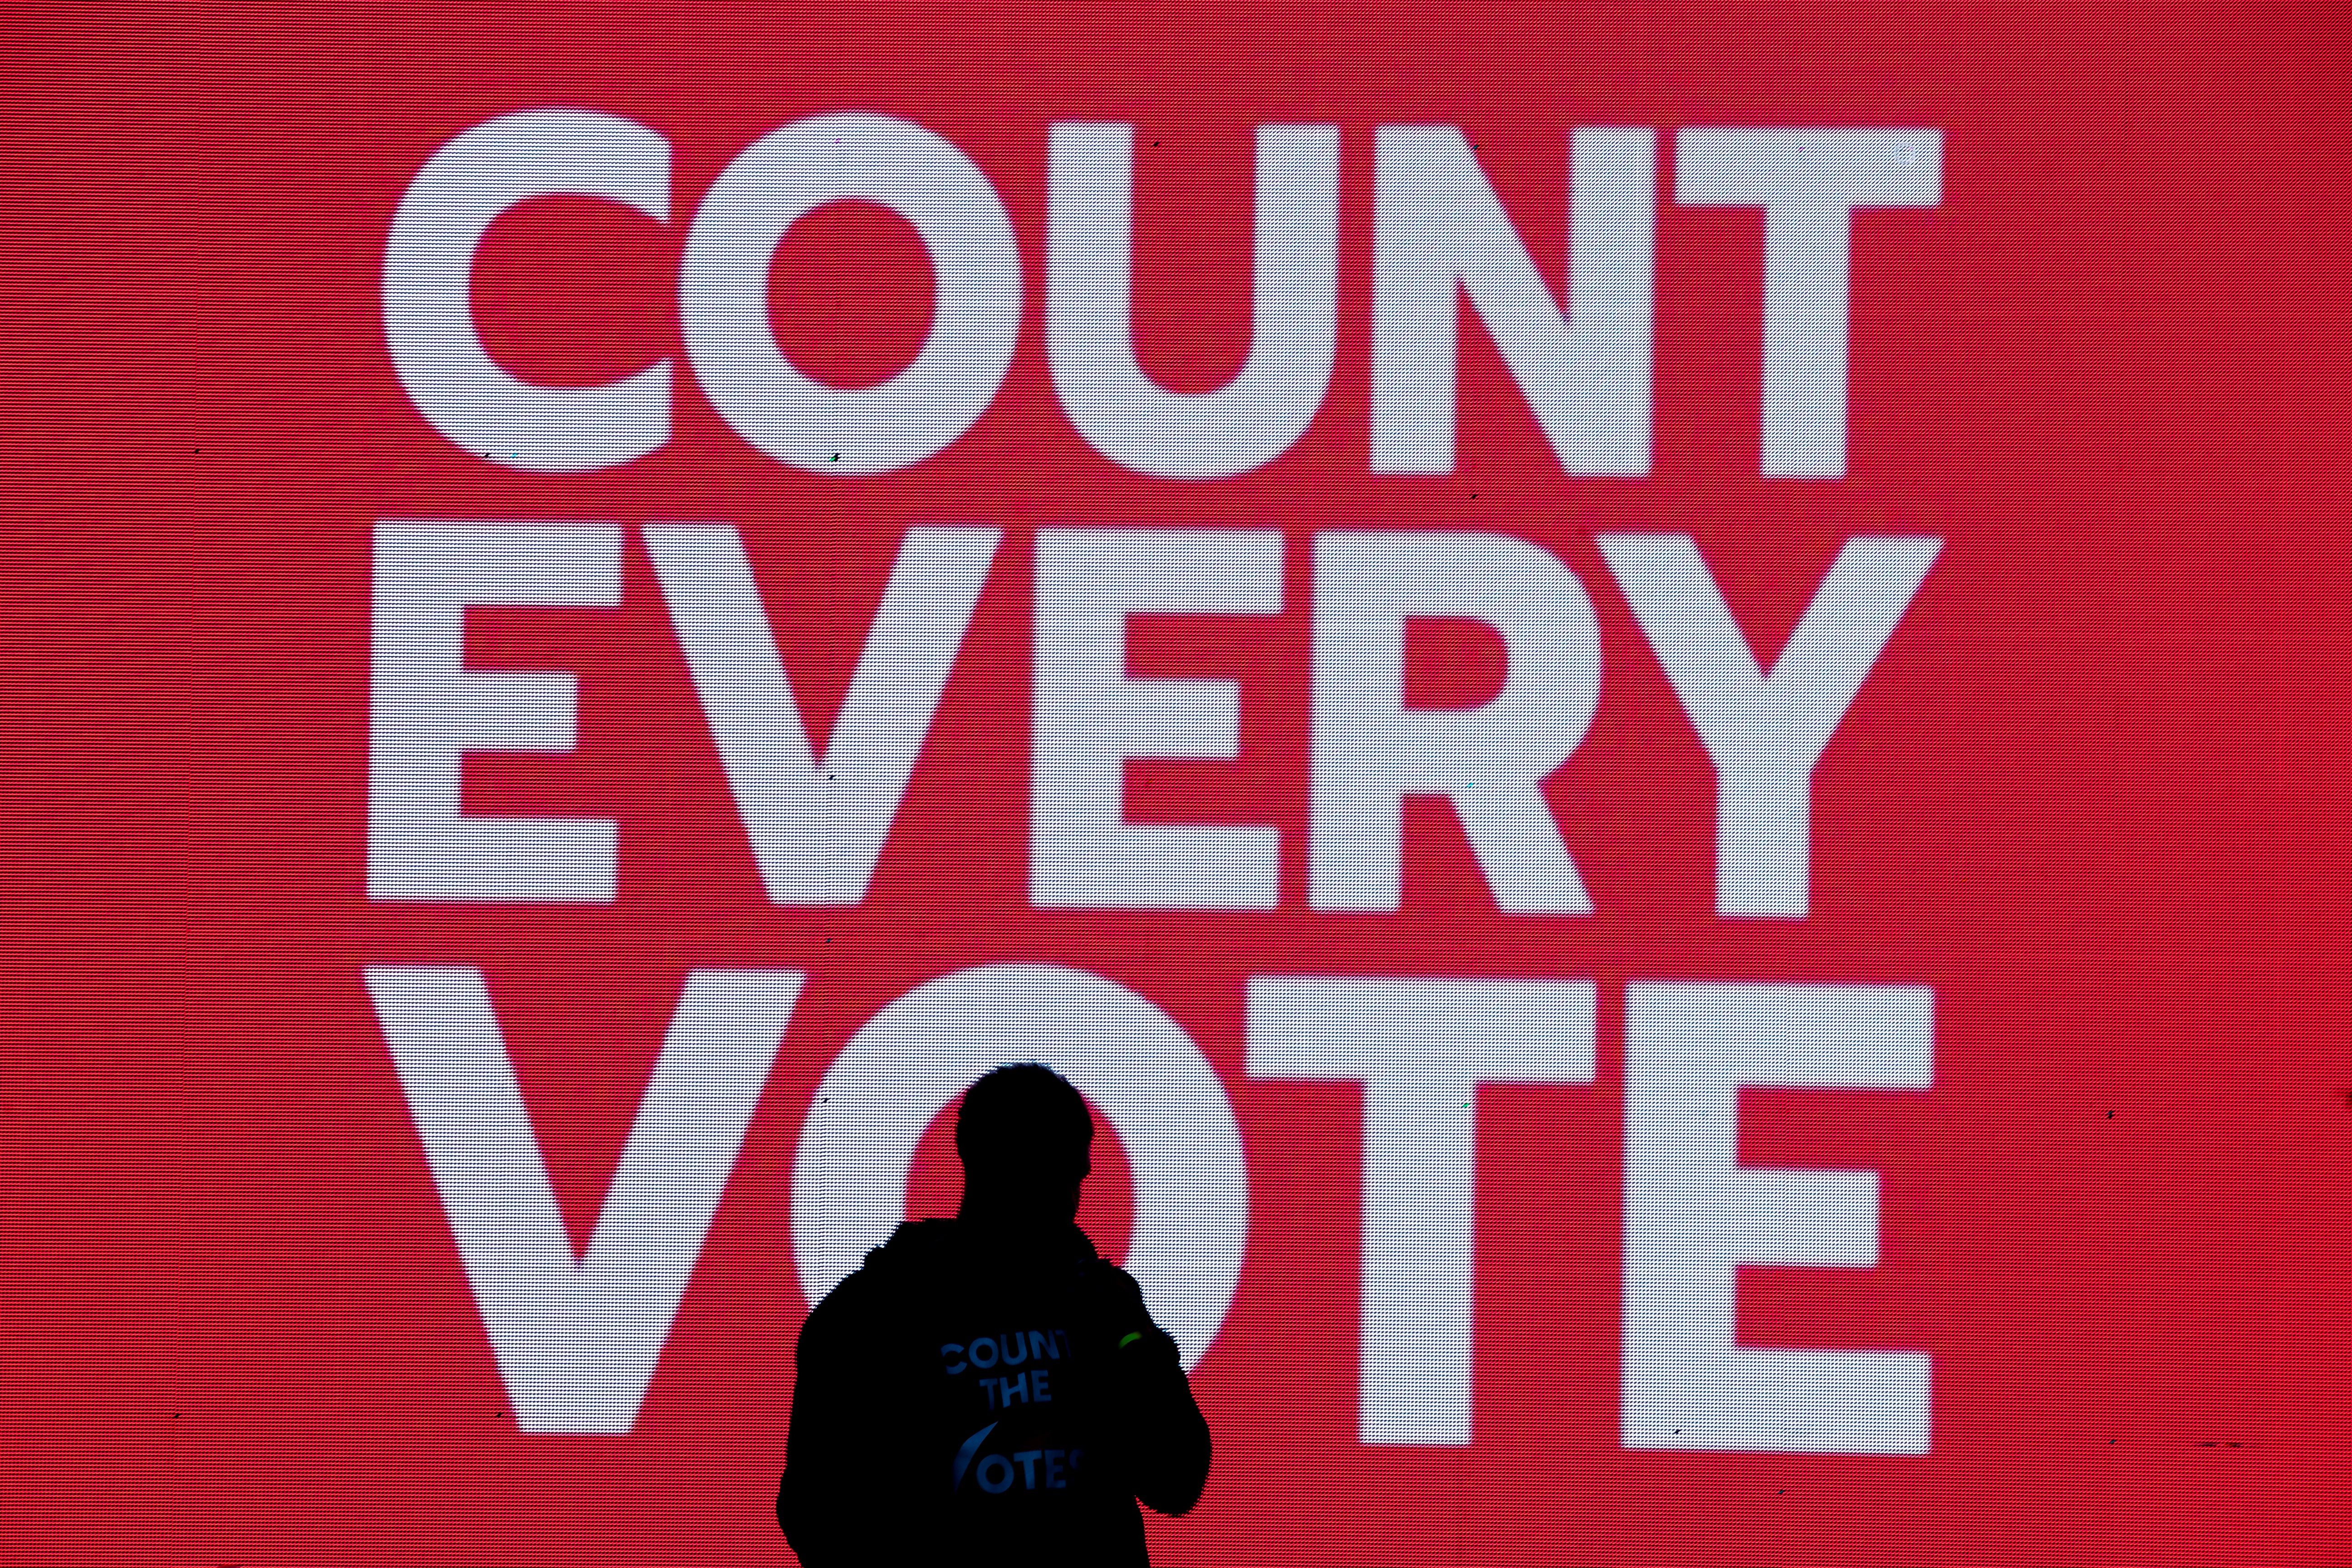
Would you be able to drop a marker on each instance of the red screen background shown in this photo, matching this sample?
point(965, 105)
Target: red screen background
point(2093, 794)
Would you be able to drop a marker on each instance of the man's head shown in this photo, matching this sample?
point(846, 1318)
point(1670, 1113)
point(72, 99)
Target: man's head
point(1024, 1136)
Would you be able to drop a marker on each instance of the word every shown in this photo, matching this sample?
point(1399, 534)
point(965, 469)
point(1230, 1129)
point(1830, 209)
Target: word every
point(1439, 232)
point(817, 824)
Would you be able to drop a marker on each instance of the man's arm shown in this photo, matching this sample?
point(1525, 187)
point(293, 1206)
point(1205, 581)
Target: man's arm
point(1165, 1437)
point(822, 1502)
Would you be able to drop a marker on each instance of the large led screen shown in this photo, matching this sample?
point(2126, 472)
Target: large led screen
point(1651, 698)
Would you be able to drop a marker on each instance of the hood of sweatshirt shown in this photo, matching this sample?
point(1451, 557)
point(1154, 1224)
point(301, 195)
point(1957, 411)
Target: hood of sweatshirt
point(965, 1247)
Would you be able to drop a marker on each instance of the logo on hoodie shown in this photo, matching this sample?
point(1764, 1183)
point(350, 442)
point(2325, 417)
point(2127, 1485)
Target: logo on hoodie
point(1048, 1467)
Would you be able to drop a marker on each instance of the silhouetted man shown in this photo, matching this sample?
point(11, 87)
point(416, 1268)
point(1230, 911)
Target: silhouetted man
point(986, 1389)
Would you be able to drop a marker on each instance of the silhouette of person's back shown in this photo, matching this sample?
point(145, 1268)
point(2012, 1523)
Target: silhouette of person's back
point(986, 1389)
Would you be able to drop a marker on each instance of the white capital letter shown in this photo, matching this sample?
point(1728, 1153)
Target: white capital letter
point(975, 300)
point(428, 310)
point(1437, 224)
point(1088, 718)
point(1808, 182)
point(1420, 1049)
point(1693, 1217)
point(1089, 317)
point(817, 828)
point(426, 711)
point(1764, 735)
point(1134, 1063)
point(1370, 750)
point(577, 1340)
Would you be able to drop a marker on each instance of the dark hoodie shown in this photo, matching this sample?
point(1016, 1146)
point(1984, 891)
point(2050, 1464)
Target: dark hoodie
point(980, 1394)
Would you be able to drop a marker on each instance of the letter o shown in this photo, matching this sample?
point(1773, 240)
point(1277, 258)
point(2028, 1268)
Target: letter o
point(976, 298)
point(977, 1345)
point(1163, 1100)
point(1003, 1469)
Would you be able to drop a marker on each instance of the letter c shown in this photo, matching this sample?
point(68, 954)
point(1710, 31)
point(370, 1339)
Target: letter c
point(956, 1353)
point(428, 310)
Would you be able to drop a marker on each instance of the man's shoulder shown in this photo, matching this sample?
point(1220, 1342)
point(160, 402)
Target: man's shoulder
point(939, 1262)
point(889, 1272)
